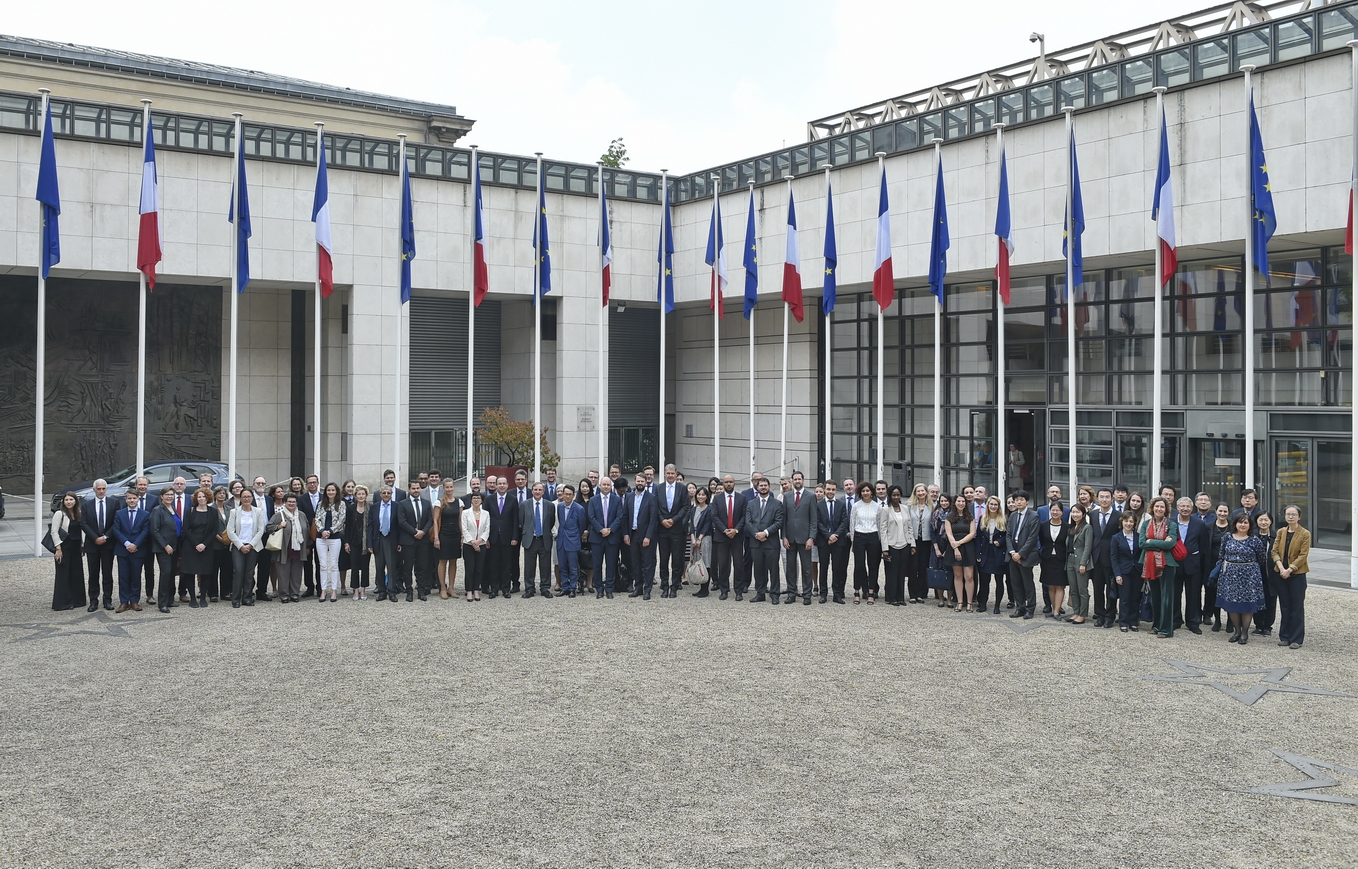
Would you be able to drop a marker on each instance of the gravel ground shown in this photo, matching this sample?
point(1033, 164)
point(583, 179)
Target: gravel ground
point(684, 733)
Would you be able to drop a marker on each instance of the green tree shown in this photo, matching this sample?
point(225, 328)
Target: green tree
point(513, 438)
point(616, 155)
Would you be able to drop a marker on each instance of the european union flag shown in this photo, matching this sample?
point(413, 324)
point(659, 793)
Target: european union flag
point(939, 241)
point(407, 233)
point(540, 227)
point(831, 285)
point(49, 197)
point(243, 230)
point(1074, 251)
point(751, 263)
point(664, 257)
point(1265, 220)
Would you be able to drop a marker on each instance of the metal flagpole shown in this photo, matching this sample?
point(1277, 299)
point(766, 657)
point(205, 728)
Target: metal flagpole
point(1247, 475)
point(601, 419)
point(471, 326)
point(660, 290)
point(782, 428)
point(1353, 205)
point(400, 359)
point(141, 328)
point(40, 362)
point(539, 211)
point(938, 362)
point(881, 370)
point(829, 472)
point(1157, 395)
point(754, 464)
point(716, 328)
point(316, 412)
point(1070, 293)
point(1001, 443)
point(237, 158)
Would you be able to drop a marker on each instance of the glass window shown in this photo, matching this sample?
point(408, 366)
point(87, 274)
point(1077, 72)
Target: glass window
point(555, 176)
point(165, 129)
point(781, 165)
point(528, 173)
point(881, 140)
point(1023, 355)
point(345, 151)
point(839, 151)
point(1287, 388)
point(18, 113)
point(1026, 390)
point(1211, 59)
point(91, 121)
point(1071, 92)
point(293, 145)
point(1027, 292)
point(487, 168)
point(1337, 27)
point(820, 155)
point(1137, 77)
point(930, 128)
point(1251, 46)
point(907, 135)
point(1171, 68)
point(1011, 108)
point(801, 159)
point(1214, 389)
point(982, 115)
point(507, 172)
point(457, 164)
point(1040, 102)
point(1103, 86)
point(580, 179)
point(1293, 38)
point(383, 155)
point(763, 170)
point(862, 145)
point(124, 125)
point(958, 122)
point(728, 178)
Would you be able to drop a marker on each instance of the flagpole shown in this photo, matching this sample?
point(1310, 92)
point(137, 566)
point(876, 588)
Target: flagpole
point(601, 420)
point(40, 360)
point(938, 361)
point(881, 369)
point(471, 323)
point(1070, 293)
point(1157, 394)
point(237, 156)
point(141, 330)
point(1353, 211)
point(316, 411)
point(1001, 443)
point(1247, 476)
point(716, 327)
point(540, 209)
point(750, 323)
point(828, 472)
point(660, 292)
point(400, 315)
point(782, 429)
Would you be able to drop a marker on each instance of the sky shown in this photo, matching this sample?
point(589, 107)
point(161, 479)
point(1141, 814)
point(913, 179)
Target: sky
point(686, 86)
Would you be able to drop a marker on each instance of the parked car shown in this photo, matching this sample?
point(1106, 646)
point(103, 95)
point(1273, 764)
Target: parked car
point(160, 474)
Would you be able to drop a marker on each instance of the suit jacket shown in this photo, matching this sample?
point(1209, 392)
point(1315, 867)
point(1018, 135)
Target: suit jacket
point(405, 519)
point(572, 525)
point(1126, 557)
point(375, 522)
point(769, 519)
point(648, 520)
point(1199, 545)
point(89, 520)
point(527, 513)
point(503, 526)
point(799, 523)
point(719, 512)
point(304, 505)
point(1024, 542)
point(1298, 552)
point(162, 530)
point(595, 514)
point(135, 530)
point(679, 512)
point(549, 491)
point(1099, 554)
point(1044, 513)
point(832, 517)
point(256, 538)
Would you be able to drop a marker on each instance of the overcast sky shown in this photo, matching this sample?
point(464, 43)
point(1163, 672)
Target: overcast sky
point(687, 86)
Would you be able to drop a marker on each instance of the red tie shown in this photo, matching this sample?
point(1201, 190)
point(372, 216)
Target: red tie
point(730, 512)
point(179, 506)
point(797, 501)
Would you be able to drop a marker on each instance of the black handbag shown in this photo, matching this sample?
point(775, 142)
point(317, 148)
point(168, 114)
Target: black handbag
point(1214, 576)
point(47, 542)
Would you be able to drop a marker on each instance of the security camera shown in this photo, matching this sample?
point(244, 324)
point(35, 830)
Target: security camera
point(1035, 37)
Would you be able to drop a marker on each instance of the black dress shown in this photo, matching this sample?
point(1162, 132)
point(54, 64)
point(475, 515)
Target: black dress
point(1053, 540)
point(961, 527)
point(199, 527)
point(450, 531)
point(68, 591)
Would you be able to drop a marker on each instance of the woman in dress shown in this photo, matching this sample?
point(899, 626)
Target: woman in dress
point(1053, 537)
point(699, 536)
point(940, 577)
point(893, 527)
point(918, 510)
point(1157, 539)
point(1079, 546)
point(1290, 553)
point(289, 560)
point(1216, 532)
point(68, 588)
point(959, 553)
point(1125, 557)
point(991, 552)
point(448, 538)
point(347, 489)
point(197, 558)
point(584, 493)
point(356, 543)
point(1240, 587)
point(1264, 619)
point(475, 542)
point(219, 581)
point(328, 532)
point(277, 496)
point(867, 545)
point(163, 529)
point(245, 530)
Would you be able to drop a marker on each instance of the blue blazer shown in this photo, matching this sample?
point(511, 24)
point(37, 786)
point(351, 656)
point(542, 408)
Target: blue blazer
point(1199, 544)
point(1126, 557)
point(648, 520)
point(134, 530)
point(595, 514)
point(570, 526)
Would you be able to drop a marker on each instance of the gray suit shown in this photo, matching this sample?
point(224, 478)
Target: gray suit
point(764, 553)
point(537, 550)
point(799, 526)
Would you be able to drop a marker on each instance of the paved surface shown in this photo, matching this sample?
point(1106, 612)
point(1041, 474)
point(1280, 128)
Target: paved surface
point(684, 733)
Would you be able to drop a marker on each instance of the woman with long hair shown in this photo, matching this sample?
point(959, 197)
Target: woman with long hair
point(219, 581)
point(700, 537)
point(1079, 546)
point(893, 526)
point(447, 536)
point(1264, 618)
point(940, 580)
point(867, 544)
point(288, 561)
point(245, 530)
point(163, 530)
point(584, 493)
point(357, 544)
point(918, 510)
point(1053, 537)
point(1158, 536)
point(960, 553)
point(1217, 532)
point(329, 533)
point(991, 552)
point(277, 497)
point(68, 587)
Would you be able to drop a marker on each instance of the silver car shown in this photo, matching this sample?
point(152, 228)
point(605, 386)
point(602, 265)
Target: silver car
point(160, 474)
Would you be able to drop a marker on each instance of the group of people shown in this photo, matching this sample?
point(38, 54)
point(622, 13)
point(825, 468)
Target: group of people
point(1109, 556)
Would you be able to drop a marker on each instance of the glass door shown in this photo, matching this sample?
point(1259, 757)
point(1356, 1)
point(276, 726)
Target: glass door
point(1331, 513)
point(1220, 470)
point(1292, 475)
point(982, 450)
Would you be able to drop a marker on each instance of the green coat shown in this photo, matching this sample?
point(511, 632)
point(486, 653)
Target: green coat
point(1167, 544)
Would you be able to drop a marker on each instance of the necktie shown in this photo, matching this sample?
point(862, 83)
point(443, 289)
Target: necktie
point(730, 512)
point(1103, 522)
point(101, 515)
point(386, 518)
point(604, 506)
point(1018, 524)
point(502, 503)
point(537, 519)
point(797, 500)
point(417, 512)
point(669, 498)
point(179, 506)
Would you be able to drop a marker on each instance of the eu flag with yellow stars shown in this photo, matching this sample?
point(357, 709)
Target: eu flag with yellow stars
point(540, 226)
point(407, 233)
point(1265, 220)
point(827, 297)
point(50, 253)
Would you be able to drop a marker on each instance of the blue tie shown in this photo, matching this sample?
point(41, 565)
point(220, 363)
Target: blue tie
point(537, 518)
point(386, 518)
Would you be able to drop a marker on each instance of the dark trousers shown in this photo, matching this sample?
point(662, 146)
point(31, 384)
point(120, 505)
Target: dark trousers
point(386, 565)
point(263, 565)
point(243, 566)
point(606, 563)
point(307, 580)
point(765, 566)
point(984, 578)
point(473, 567)
point(129, 576)
point(1021, 584)
point(360, 569)
point(1163, 599)
point(1292, 608)
point(417, 564)
point(1264, 618)
point(99, 564)
point(537, 562)
point(218, 582)
point(1187, 599)
point(671, 557)
point(898, 563)
point(1129, 600)
point(165, 562)
point(510, 568)
point(834, 567)
point(728, 558)
point(798, 563)
point(867, 558)
point(917, 586)
point(148, 569)
point(641, 560)
point(745, 569)
point(1106, 594)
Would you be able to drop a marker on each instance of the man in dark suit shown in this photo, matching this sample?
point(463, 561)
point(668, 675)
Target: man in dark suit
point(264, 559)
point(131, 528)
point(549, 487)
point(728, 538)
point(832, 538)
point(672, 502)
point(537, 518)
point(96, 517)
point(1188, 580)
point(502, 555)
point(416, 520)
point(1103, 522)
point(747, 565)
point(306, 502)
point(605, 516)
point(799, 536)
point(640, 522)
point(1021, 537)
point(763, 521)
point(383, 535)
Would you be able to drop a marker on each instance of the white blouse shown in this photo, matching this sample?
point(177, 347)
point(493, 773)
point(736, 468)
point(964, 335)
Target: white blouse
point(863, 517)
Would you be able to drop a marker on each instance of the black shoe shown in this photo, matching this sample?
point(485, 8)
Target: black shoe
point(664, 593)
point(94, 605)
point(773, 599)
point(823, 598)
point(108, 605)
point(381, 595)
point(264, 597)
point(839, 598)
point(704, 593)
point(423, 596)
point(740, 596)
point(724, 595)
point(410, 597)
point(1216, 627)
point(514, 588)
point(806, 601)
point(249, 601)
point(646, 595)
point(1016, 614)
point(1028, 615)
point(570, 593)
point(634, 593)
point(1046, 610)
point(193, 603)
point(1009, 605)
point(997, 608)
point(758, 598)
point(599, 593)
point(547, 592)
point(202, 602)
point(311, 592)
point(1195, 629)
point(608, 594)
point(235, 604)
point(165, 610)
point(527, 594)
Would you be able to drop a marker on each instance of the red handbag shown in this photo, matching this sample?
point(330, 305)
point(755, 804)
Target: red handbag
point(1180, 552)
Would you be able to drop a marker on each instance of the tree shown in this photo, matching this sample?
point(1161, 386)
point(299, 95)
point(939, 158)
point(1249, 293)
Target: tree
point(616, 155)
point(513, 438)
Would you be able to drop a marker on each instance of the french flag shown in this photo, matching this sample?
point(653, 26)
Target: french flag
point(605, 240)
point(1162, 211)
point(1004, 231)
point(883, 283)
point(320, 215)
point(792, 274)
point(148, 232)
point(480, 275)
